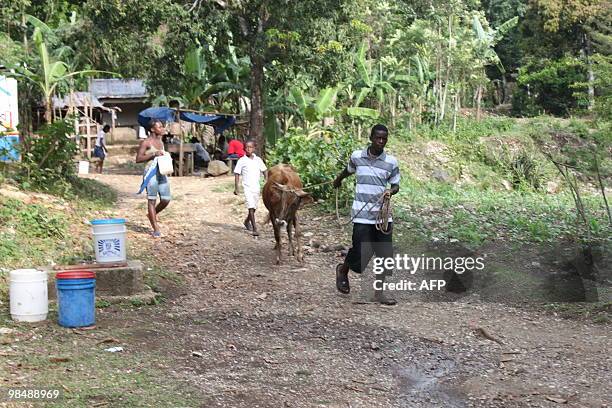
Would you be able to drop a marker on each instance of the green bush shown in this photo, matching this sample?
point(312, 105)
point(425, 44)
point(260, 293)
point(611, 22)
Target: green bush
point(555, 87)
point(47, 159)
point(317, 159)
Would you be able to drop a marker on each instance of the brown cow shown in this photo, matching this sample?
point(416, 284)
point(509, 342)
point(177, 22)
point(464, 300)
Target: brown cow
point(282, 196)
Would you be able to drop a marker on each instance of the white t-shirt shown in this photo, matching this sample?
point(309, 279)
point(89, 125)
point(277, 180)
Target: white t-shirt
point(100, 138)
point(250, 170)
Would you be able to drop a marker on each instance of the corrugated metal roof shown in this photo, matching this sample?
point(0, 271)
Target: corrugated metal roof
point(118, 88)
point(78, 99)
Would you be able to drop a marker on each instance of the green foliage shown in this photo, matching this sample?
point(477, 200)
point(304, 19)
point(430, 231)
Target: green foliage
point(552, 86)
point(47, 158)
point(11, 52)
point(602, 69)
point(523, 168)
point(26, 229)
point(317, 159)
point(467, 130)
point(445, 212)
point(33, 220)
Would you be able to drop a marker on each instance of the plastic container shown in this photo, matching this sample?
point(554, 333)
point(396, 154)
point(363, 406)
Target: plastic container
point(109, 240)
point(83, 167)
point(164, 164)
point(76, 298)
point(29, 300)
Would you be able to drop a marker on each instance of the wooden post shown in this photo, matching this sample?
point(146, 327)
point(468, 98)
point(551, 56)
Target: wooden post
point(87, 127)
point(113, 113)
point(178, 114)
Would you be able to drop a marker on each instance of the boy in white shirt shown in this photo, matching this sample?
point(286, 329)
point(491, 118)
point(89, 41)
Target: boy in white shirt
point(250, 168)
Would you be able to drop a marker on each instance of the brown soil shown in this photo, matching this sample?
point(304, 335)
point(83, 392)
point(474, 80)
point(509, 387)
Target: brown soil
point(271, 336)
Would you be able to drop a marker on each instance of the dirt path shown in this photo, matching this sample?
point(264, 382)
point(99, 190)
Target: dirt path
point(271, 336)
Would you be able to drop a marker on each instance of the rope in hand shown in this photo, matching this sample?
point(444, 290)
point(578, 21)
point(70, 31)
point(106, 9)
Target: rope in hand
point(382, 219)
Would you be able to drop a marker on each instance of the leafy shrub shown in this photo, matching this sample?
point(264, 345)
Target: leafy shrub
point(602, 67)
point(317, 159)
point(32, 220)
point(47, 159)
point(555, 87)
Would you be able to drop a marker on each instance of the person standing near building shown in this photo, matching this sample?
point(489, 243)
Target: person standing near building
point(100, 150)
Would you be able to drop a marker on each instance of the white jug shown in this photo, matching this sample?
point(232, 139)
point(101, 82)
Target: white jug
point(164, 164)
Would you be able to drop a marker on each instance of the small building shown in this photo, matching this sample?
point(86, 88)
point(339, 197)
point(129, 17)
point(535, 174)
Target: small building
point(126, 97)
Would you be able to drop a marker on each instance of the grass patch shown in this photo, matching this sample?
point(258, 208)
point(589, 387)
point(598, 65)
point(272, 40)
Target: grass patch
point(155, 275)
point(101, 303)
point(472, 216)
point(598, 312)
point(92, 376)
point(224, 188)
point(93, 193)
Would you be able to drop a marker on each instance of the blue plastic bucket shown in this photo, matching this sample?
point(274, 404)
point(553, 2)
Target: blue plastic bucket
point(76, 298)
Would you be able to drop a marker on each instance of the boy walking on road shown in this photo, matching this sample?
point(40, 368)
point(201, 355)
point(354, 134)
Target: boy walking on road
point(374, 170)
point(250, 168)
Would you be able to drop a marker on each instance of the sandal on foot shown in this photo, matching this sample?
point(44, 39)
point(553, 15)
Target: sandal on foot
point(342, 282)
point(255, 233)
point(156, 234)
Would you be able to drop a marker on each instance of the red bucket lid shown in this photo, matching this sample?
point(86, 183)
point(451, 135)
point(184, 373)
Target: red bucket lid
point(75, 275)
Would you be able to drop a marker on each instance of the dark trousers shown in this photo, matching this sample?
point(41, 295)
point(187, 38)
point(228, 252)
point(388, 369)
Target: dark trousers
point(368, 241)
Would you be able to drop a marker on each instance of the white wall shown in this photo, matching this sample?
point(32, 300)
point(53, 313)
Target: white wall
point(9, 108)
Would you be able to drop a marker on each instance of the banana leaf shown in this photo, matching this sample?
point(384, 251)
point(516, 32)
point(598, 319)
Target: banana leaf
point(326, 100)
point(362, 112)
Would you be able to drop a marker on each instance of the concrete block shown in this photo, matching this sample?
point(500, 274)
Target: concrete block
point(119, 281)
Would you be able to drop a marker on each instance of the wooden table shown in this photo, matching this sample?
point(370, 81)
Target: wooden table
point(181, 149)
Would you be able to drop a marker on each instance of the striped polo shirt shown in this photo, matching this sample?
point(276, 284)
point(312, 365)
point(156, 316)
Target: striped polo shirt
point(372, 176)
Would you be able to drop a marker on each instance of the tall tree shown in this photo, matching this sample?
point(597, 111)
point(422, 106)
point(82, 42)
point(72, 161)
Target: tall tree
point(271, 32)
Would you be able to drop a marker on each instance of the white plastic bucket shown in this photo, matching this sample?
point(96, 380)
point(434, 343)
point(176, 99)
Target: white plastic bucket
point(109, 240)
point(28, 295)
point(164, 164)
point(83, 167)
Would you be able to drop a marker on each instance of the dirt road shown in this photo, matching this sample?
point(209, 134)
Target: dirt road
point(247, 333)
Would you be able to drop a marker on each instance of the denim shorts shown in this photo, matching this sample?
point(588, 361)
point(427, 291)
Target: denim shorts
point(158, 185)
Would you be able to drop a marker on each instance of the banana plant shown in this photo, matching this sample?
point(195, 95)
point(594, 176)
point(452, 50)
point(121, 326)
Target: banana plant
point(488, 39)
point(372, 78)
point(313, 109)
point(221, 78)
point(49, 73)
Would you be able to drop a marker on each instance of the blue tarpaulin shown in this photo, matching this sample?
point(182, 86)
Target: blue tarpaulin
point(219, 122)
point(9, 148)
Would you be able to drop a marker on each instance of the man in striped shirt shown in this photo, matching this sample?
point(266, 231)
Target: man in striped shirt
point(374, 170)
